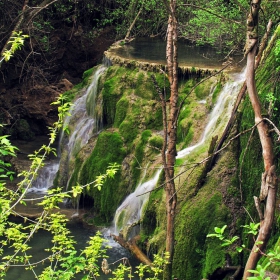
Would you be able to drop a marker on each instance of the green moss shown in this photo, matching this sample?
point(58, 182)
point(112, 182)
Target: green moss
point(203, 89)
point(216, 92)
point(150, 220)
point(108, 149)
point(185, 131)
point(195, 255)
point(156, 143)
point(251, 157)
point(128, 130)
point(70, 94)
point(110, 99)
point(139, 155)
point(154, 120)
point(121, 111)
point(87, 74)
point(74, 178)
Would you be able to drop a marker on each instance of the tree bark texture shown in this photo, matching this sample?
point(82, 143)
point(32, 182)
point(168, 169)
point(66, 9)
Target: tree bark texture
point(169, 157)
point(265, 139)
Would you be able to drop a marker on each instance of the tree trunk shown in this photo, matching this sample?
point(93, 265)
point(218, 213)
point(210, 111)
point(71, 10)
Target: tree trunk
point(241, 95)
point(266, 142)
point(169, 156)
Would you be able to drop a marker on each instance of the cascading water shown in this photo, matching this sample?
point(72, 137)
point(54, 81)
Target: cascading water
point(83, 124)
point(45, 177)
point(130, 210)
point(222, 109)
point(82, 118)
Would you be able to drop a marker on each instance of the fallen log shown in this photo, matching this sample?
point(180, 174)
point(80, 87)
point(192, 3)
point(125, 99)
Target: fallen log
point(133, 248)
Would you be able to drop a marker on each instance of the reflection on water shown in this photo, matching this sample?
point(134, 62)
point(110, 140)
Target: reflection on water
point(42, 240)
point(153, 50)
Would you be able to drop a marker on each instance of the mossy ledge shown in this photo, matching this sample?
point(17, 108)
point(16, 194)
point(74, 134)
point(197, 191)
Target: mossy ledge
point(183, 72)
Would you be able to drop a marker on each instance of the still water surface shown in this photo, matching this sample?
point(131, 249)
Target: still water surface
point(153, 50)
point(42, 240)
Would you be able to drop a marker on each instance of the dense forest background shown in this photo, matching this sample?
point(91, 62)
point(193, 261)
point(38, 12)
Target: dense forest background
point(68, 37)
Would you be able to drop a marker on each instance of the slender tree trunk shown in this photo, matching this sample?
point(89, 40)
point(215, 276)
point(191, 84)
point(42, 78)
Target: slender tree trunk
point(266, 142)
point(169, 157)
point(132, 24)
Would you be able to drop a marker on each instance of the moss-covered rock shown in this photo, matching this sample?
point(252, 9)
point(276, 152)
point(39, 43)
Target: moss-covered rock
point(108, 149)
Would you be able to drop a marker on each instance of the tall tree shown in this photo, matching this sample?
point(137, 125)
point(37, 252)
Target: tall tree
point(269, 179)
point(169, 149)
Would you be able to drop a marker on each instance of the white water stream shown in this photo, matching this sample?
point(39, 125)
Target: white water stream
point(81, 120)
point(131, 209)
point(83, 123)
point(45, 178)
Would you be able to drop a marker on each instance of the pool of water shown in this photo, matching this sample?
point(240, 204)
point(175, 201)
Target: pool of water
point(42, 240)
point(153, 50)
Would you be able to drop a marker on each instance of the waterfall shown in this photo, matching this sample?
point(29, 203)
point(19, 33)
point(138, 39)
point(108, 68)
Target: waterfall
point(81, 120)
point(83, 124)
point(222, 108)
point(130, 210)
point(45, 177)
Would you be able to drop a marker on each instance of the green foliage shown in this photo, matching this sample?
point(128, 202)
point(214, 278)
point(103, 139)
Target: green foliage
point(15, 43)
point(219, 233)
point(156, 269)
point(202, 26)
point(272, 256)
point(6, 149)
point(65, 261)
point(259, 273)
point(252, 228)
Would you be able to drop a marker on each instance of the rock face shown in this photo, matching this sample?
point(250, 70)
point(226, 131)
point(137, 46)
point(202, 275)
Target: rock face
point(27, 89)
